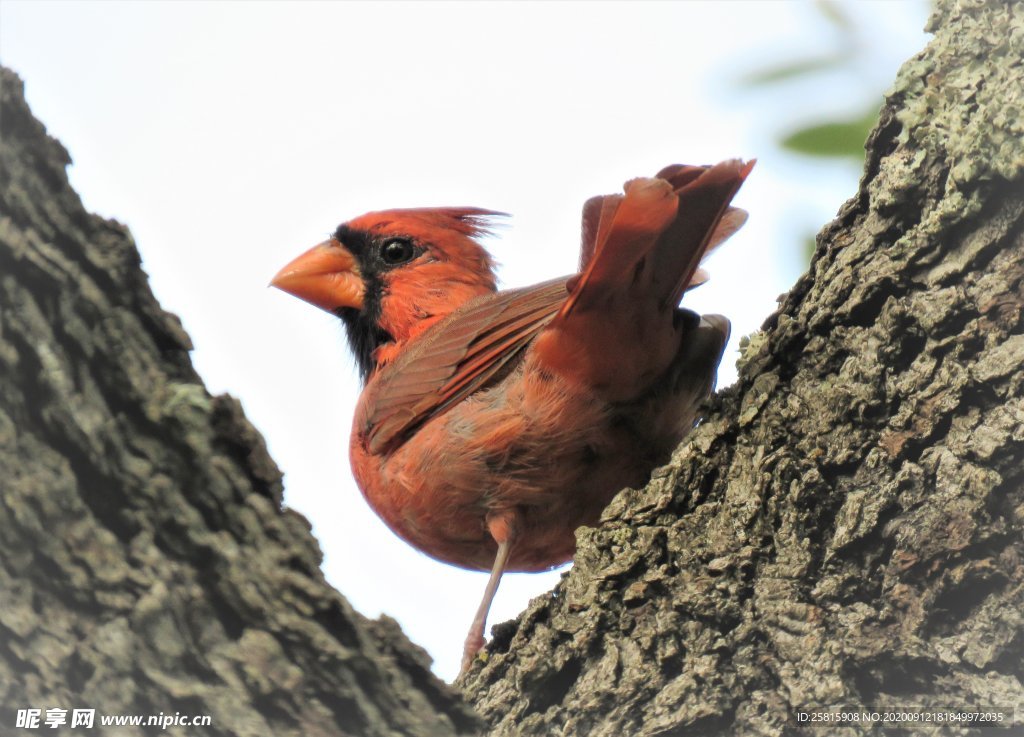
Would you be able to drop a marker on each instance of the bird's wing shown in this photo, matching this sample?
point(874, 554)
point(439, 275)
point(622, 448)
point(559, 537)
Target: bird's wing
point(455, 358)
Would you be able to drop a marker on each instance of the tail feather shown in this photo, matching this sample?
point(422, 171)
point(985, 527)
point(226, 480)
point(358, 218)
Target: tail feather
point(641, 251)
point(731, 221)
point(648, 207)
point(598, 214)
point(703, 202)
point(679, 175)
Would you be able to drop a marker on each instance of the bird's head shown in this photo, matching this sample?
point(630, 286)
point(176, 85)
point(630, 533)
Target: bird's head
point(389, 275)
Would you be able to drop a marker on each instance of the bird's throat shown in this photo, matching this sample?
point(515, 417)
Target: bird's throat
point(365, 338)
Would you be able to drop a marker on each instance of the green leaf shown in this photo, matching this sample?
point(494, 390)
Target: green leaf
point(843, 138)
point(836, 15)
point(793, 70)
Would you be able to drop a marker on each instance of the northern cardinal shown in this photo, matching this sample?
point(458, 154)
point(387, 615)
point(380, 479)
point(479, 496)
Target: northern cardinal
point(493, 423)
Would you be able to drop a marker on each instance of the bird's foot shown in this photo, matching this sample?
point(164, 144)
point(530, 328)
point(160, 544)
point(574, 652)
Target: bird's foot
point(474, 644)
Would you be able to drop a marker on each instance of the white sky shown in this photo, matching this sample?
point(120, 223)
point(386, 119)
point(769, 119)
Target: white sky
point(230, 136)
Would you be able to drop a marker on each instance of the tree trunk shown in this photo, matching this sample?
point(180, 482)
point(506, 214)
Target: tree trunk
point(844, 529)
point(146, 564)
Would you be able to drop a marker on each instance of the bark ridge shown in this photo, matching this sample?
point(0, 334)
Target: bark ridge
point(846, 526)
point(146, 563)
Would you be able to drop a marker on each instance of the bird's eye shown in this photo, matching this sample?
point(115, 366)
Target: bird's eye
point(397, 251)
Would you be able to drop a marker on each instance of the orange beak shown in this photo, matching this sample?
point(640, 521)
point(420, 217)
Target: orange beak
point(326, 275)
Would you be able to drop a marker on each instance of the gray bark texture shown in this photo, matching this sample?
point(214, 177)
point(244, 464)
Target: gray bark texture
point(146, 563)
point(846, 526)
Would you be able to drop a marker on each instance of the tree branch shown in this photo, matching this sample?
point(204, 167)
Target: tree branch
point(845, 527)
point(146, 563)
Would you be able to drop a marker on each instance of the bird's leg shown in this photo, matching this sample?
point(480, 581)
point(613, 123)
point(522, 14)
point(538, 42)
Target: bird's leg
point(502, 526)
point(475, 638)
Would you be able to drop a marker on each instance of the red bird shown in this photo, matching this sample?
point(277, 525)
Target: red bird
point(493, 424)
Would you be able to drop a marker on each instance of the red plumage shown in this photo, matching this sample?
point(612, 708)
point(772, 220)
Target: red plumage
point(493, 424)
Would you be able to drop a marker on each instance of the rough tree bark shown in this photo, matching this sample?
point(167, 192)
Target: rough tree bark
point(146, 563)
point(845, 528)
